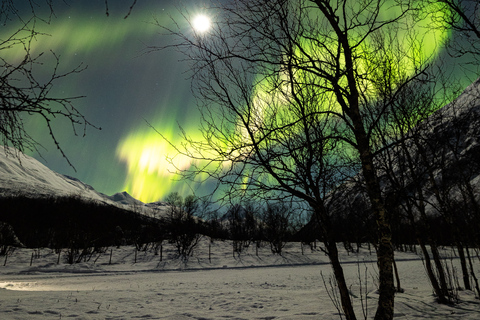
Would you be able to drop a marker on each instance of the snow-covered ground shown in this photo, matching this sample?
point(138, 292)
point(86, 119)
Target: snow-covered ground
point(226, 287)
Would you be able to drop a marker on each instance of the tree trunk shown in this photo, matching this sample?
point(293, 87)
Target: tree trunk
point(385, 254)
point(340, 278)
point(332, 252)
point(397, 278)
point(386, 287)
point(463, 263)
point(475, 280)
point(431, 275)
point(441, 272)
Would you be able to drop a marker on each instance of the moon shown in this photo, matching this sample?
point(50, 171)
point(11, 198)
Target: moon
point(201, 23)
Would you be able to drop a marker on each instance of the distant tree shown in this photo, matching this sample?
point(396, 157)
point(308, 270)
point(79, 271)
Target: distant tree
point(213, 227)
point(277, 225)
point(355, 224)
point(212, 221)
point(242, 225)
point(182, 223)
point(8, 239)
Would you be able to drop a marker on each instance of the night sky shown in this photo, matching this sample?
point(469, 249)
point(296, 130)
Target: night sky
point(123, 87)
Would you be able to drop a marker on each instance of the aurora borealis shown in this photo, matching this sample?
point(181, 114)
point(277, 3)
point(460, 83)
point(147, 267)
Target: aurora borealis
point(125, 88)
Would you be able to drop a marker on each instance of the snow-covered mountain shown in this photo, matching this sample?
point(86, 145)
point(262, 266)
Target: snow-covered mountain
point(125, 199)
point(445, 152)
point(450, 143)
point(23, 175)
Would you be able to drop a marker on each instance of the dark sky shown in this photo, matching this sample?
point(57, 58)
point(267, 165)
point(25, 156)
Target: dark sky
point(123, 87)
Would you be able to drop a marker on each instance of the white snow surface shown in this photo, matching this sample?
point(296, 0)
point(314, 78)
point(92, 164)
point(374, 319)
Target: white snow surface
point(244, 286)
point(121, 283)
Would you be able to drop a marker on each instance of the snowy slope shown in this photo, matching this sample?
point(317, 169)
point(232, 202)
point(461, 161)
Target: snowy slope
point(457, 124)
point(23, 175)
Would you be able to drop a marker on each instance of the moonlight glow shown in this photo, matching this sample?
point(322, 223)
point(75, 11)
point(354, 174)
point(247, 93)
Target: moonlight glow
point(201, 23)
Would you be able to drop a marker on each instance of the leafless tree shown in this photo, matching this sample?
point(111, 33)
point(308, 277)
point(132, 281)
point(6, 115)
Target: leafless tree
point(453, 190)
point(182, 224)
point(408, 165)
point(277, 220)
point(25, 91)
point(428, 165)
point(288, 95)
point(242, 225)
point(464, 20)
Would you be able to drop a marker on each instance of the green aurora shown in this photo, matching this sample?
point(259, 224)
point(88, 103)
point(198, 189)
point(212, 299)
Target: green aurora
point(126, 89)
point(123, 87)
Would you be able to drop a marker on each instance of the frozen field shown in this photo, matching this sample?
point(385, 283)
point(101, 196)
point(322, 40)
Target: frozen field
point(245, 287)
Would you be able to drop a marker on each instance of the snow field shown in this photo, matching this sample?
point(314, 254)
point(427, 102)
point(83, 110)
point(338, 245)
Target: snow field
point(244, 287)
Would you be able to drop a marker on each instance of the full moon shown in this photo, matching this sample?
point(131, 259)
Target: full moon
point(201, 23)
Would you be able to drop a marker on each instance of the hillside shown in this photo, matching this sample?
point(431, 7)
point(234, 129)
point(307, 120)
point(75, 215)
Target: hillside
point(22, 175)
point(48, 209)
point(435, 168)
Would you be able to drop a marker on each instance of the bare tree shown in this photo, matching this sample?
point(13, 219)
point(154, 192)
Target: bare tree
point(182, 224)
point(24, 91)
point(464, 20)
point(409, 166)
point(288, 92)
point(277, 226)
point(10, 10)
point(453, 191)
point(242, 225)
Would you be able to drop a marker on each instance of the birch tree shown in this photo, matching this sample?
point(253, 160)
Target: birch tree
point(288, 93)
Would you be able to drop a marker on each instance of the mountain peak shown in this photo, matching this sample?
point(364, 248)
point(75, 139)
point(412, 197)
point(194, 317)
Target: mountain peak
point(125, 198)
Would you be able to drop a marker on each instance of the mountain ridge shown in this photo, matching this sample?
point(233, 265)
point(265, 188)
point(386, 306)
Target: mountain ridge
point(23, 175)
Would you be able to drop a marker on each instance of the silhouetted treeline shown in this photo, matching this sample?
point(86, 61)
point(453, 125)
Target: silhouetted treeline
point(60, 222)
